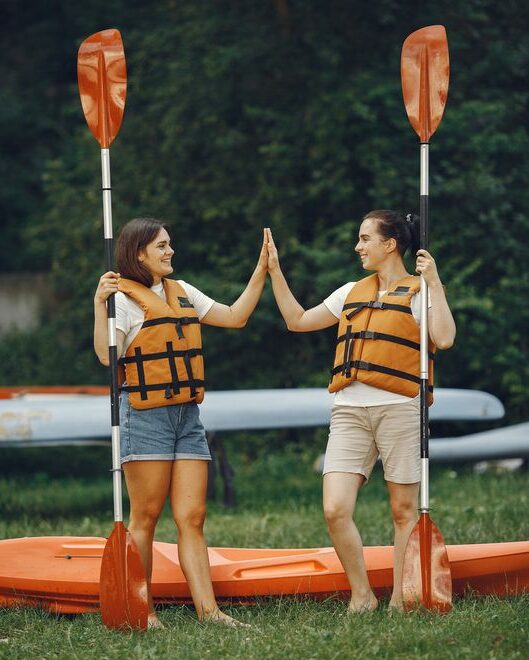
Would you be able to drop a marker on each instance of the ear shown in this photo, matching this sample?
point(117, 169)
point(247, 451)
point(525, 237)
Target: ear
point(141, 256)
point(391, 245)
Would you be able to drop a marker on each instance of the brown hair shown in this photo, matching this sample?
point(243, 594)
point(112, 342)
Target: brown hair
point(403, 227)
point(134, 236)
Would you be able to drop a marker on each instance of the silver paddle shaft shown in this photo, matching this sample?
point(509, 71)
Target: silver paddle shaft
point(425, 430)
point(112, 338)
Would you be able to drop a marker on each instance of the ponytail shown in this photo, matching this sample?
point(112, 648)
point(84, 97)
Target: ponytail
point(403, 227)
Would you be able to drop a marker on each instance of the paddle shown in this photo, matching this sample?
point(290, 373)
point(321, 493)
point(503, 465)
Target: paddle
point(426, 578)
point(102, 78)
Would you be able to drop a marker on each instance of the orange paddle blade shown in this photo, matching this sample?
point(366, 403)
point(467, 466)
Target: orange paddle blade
point(102, 79)
point(425, 72)
point(426, 576)
point(123, 594)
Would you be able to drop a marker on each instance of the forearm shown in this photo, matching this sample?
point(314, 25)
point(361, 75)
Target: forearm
point(101, 332)
point(242, 308)
point(289, 307)
point(442, 325)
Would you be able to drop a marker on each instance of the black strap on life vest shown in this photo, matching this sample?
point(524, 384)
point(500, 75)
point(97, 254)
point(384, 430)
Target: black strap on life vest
point(347, 351)
point(371, 366)
point(374, 304)
point(178, 321)
point(161, 386)
point(174, 371)
point(175, 385)
point(369, 334)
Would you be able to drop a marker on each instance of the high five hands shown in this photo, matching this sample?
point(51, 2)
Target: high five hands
point(273, 258)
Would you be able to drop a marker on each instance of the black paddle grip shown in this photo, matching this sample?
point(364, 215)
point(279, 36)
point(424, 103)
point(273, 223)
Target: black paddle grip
point(109, 253)
point(425, 421)
point(114, 391)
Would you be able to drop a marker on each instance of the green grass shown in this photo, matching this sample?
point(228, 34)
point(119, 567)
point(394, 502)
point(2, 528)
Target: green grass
point(278, 505)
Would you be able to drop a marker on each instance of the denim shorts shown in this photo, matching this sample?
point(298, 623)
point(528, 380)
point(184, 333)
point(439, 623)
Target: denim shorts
point(169, 433)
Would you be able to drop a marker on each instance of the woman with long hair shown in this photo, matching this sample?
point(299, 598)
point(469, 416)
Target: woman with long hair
point(375, 378)
point(164, 451)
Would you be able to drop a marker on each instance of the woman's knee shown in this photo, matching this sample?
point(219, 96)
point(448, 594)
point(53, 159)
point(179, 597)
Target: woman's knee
point(336, 513)
point(190, 518)
point(404, 512)
point(144, 517)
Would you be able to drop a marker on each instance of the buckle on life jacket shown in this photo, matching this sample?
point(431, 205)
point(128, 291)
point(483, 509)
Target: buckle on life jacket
point(369, 334)
point(168, 394)
point(179, 330)
point(373, 304)
point(366, 366)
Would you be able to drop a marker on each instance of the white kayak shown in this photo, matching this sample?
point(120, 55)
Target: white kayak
point(64, 418)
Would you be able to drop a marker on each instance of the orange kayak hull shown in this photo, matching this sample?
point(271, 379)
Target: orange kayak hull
point(61, 573)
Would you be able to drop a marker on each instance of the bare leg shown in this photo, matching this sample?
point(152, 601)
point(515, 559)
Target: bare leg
point(188, 503)
point(148, 487)
point(340, 490)
point(403, 499)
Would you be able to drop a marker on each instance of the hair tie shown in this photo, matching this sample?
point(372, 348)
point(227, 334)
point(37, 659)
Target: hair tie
point(408, 217)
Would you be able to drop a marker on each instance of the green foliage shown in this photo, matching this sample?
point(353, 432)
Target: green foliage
point(242, 116)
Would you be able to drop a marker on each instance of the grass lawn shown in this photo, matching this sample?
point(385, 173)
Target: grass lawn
point(278, 505)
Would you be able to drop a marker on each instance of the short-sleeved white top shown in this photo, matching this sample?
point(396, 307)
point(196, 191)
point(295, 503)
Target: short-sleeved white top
point(360, 394)
point(130, 316)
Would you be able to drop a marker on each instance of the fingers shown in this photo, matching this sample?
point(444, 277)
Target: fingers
point(270, 238)
point(108, 285)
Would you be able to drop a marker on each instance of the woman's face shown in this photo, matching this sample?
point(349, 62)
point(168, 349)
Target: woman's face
point(371, 247)
point(156, 256)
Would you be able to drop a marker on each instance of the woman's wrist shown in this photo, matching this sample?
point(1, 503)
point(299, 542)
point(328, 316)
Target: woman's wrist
point(437, 284)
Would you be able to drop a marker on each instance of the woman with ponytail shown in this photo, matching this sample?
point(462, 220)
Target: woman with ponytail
point(375, 378)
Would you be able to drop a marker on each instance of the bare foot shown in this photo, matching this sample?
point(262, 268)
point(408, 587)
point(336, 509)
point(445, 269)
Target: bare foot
point(224, 619)
point(362, 605)
point(395, 606)
point(154, 623)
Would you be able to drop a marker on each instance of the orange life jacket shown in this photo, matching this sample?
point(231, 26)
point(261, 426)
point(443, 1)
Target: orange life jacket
point(163, 366)
point(379, 340)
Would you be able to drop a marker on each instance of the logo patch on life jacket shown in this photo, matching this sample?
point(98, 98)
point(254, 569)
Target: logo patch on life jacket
point(184, 302)
point(399, 291)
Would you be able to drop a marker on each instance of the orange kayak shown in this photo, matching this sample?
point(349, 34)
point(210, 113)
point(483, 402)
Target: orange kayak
point(61, 573)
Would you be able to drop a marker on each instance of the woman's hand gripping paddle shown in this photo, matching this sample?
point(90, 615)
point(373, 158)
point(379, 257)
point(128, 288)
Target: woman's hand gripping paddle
point(426, 578)
point(102, 77)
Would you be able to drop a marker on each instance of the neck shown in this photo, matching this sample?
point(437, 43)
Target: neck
point(389, 274)
point(156, 280)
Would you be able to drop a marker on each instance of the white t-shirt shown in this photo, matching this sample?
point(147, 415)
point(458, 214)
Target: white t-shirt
point(130, 316)
point(360, 394)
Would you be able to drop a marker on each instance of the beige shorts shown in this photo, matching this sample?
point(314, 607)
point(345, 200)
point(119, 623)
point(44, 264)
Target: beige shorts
point(358, 435)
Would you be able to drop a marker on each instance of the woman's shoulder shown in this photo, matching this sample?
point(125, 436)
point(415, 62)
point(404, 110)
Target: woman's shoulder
point(188, 288)
point(122, 299)
point(335, 301)
point(344, 289)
